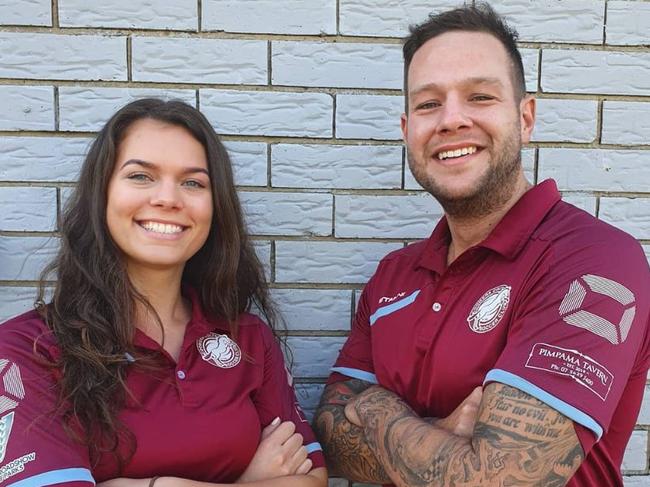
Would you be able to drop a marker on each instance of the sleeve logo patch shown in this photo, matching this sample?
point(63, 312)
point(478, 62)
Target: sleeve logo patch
point(6, 422)
point(219, 350)
point(12, 391)
point(488, 311)
point(572, 314)
point(571, 363)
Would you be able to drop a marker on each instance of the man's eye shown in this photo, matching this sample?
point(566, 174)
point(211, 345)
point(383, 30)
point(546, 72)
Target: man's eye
point(428, 105)
point(482, 97)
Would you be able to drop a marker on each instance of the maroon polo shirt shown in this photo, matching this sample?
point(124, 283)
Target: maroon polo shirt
point(553, 302)
point(200, 418)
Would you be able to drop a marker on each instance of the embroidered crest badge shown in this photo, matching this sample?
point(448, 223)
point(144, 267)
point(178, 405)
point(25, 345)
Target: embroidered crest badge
point(488, 311)
point(219, 350)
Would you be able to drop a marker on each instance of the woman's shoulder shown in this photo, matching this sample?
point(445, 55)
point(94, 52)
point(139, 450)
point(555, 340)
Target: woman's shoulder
point(25, 334)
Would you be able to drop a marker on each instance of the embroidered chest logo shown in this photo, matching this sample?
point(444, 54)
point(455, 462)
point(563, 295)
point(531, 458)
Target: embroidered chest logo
point(219, 350)
point(488, 311)
point(572, 314)
point(12, 393)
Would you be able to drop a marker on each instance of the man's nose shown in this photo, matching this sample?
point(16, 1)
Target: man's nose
point(454, 115)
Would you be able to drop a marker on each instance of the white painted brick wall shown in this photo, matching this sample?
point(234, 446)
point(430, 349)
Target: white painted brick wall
point(631, 215)
point(340, 65)
point(369, 117)
point(41, 158)
point(359, 216)
point(627, 22)
point(26, 12)
point(88, 109)
point(270, 16)
point(288, 213)
point(625, 123)
point(608, 72)
point(636, 454)
point(268, 113)
point(583, 201)
point(336, 166)
point(62, 57)
point(130, 14)
point(307, 97)
point(249, 162)
point(566, 121)
point(530, 60)
point(596, 170)
point(35, 209)
point(27, 107)
point(386, 18)
point(314, 356)
point(185, 60)
point(315, 309)
point(23, 258)
point(328, 262)
point(576, 21)
point(15, 301)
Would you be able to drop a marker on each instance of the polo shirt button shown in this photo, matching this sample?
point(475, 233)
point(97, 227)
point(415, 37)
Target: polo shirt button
point(436, 307)
point(180, 374)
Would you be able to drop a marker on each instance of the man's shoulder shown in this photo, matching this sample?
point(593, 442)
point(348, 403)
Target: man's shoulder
point(568, 225)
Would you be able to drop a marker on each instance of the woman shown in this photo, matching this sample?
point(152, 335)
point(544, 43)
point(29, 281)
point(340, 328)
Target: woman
point(145, 368)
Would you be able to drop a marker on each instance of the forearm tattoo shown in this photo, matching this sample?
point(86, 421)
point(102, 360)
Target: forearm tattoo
point(344, 443)
point(517, 441)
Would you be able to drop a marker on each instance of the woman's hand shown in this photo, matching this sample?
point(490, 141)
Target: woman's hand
point(279, 453)
point(124, 482)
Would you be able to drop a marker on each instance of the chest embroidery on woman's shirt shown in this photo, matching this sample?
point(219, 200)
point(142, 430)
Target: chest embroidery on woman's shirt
point(219, 350)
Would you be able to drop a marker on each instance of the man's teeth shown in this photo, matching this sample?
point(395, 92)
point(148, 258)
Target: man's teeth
point(456, 153)
point(161, 227)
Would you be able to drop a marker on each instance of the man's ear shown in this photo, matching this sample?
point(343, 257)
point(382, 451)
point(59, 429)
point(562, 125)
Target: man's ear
point(404, 125)
point(527, 108)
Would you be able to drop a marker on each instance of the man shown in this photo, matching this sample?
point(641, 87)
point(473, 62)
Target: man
point(538, 302)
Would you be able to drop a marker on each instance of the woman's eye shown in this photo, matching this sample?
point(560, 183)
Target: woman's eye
point(192, 183)
point(139, 177)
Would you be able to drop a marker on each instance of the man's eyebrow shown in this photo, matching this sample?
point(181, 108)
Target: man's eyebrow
point(475, 80)
point(150, 165)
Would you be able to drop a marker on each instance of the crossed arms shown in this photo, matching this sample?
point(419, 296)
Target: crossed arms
point(371, 435)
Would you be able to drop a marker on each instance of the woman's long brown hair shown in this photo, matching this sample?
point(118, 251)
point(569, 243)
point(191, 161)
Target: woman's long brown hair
point(93, 305)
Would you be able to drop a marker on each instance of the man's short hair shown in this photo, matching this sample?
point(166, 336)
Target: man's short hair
point(472, 18)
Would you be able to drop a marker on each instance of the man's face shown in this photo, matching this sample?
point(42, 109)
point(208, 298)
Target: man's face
point(465, 126)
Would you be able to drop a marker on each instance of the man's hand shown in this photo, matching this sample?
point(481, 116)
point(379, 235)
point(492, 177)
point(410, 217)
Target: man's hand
point(279, 453)
point(460, 422)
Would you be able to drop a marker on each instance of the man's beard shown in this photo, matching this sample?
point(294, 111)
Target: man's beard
point(491, 191)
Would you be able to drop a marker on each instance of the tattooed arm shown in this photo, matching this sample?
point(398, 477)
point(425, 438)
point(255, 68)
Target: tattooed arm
point(346, 450)
point(517, 440)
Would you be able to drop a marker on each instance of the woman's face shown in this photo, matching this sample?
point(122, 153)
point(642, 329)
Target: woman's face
point(159, 207)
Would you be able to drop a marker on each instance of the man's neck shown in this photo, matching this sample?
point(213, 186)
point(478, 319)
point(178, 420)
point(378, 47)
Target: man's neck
point(466, 232)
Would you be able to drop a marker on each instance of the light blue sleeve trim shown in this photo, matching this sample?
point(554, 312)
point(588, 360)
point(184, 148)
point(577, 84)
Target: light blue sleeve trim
point(356, 374)
point(391, 308)
point(498, 375)
point(56, 477)
point(312, 447)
